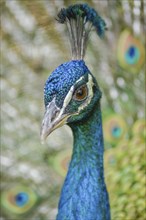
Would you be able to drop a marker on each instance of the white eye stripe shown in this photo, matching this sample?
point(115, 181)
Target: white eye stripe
point(90, 85)
point(79, 79)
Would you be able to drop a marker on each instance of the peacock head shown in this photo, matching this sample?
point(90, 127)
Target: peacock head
point(71, 91)
point(70, 94)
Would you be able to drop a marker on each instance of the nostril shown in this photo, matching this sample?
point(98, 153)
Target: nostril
point(54, 115)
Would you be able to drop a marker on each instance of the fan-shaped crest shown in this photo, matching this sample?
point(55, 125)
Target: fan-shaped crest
point(80, 20)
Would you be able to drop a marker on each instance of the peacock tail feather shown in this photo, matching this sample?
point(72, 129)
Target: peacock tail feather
point(127, 182)
point(139, 128)
point(130, 52)
point(19, 200)
point(61, 161)
point(115, 128)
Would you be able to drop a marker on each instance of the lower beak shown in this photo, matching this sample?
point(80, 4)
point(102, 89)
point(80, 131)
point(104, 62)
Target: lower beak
point(53, 118)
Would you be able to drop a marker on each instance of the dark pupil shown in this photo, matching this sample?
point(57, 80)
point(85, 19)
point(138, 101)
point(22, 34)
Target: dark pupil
point(80, 92)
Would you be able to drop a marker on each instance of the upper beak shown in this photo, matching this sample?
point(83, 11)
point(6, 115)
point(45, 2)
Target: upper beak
point(54, 117)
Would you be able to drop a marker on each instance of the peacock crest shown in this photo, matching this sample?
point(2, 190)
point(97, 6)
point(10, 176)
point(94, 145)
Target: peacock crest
point(80, 20)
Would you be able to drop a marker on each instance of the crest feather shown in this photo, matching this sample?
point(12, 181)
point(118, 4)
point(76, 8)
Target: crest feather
point(80, 20)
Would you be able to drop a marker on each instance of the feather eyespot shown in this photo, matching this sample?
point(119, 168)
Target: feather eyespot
point(18, 200)
point(81, 93)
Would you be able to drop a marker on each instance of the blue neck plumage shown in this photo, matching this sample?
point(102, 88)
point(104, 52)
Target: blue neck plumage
point(84, 194)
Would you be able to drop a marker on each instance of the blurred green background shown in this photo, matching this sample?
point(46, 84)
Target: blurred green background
point(33, 44)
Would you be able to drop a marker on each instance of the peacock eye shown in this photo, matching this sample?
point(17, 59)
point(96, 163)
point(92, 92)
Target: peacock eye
point(81, 93)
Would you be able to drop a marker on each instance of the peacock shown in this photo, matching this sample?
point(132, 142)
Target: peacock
point(72, 96)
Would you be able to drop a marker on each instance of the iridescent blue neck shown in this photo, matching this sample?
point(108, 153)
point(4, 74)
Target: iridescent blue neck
point(84, 194)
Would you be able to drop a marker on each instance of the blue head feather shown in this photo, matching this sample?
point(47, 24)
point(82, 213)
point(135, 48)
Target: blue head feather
point(61, 79)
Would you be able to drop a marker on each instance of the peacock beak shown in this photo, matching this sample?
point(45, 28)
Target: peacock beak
point(54, 117)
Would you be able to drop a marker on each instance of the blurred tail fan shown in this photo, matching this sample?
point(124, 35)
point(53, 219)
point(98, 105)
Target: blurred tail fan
point(130, 52)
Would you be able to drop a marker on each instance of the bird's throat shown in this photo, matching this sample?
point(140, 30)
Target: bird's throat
point(84, 188)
